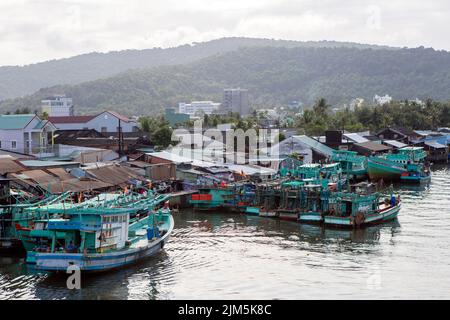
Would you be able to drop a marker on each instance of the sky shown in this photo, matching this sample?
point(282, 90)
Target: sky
point(38, 30)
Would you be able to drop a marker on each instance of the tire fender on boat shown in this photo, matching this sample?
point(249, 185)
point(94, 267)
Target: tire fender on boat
point(359, 218)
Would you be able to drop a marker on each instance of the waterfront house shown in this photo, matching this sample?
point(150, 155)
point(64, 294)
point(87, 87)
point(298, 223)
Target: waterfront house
point(436, 152)
point(26, 134)
point(398, 134)
point(370, 148)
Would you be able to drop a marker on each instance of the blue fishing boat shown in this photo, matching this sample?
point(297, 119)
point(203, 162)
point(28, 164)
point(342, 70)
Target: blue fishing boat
point(355, 210)
point(99, 240)
point(416, 173)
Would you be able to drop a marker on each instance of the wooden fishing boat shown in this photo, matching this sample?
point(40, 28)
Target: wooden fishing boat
point(231, 197)
point(35, 231)
point(391, 167)
point(17, 214)
point(99, 240)
point(355, 210)
point(416, 174)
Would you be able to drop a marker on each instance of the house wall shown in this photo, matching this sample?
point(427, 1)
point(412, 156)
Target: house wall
point(7, 136)
point(110, 122)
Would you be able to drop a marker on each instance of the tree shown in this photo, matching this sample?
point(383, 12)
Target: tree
point(162, 136)
point(321, 107)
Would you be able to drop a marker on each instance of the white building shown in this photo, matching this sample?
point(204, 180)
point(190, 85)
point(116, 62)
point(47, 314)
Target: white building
point(58, 106)
point(107, 121)
point(27, 134)
point(198, 107)
point(382, 100)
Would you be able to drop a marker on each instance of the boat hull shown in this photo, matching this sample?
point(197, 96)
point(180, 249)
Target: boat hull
point(383, 171)
point(269, 214)
point(310, 217)
point(288, 215)
point(383, 216)
point(415, 179)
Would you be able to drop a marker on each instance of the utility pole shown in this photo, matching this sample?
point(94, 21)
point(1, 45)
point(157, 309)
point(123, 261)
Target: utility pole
point(120, 139)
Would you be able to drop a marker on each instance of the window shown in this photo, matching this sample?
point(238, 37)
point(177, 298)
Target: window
point(13, 144)
point(104, 129)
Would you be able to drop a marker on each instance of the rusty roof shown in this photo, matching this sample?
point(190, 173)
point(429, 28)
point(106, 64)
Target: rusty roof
point(10, 166)
point(114, 175)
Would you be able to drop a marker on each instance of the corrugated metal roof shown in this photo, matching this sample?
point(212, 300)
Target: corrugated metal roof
point(114, 175)
point(175, 158)
point(61, 173)
point(355, 137)
point(46, 164)
point(15, 121)
point(315, 145)
point(435, 145)
point(373, 146)
point(251, 169)
point(395, 143)
point(10, 166)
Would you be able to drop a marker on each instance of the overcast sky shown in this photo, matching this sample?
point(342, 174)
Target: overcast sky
point(39, 30)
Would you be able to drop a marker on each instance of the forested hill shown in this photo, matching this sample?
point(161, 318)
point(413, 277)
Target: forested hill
point(18, 81)
point(273, 76)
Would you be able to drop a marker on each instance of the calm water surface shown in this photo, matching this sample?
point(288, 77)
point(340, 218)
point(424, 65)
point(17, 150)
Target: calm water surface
point(231, 256)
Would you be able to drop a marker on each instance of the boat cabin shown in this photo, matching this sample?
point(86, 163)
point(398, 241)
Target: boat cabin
point(89, 232)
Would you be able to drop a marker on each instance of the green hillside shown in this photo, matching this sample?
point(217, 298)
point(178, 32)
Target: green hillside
point(18, 81)
point(273, 75)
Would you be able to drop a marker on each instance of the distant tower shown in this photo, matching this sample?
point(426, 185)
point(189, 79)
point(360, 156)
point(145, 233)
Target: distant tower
point(236, 100)
point(58, 106)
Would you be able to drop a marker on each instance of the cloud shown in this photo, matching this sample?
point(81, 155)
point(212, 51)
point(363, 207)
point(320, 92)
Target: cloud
point(37, 30)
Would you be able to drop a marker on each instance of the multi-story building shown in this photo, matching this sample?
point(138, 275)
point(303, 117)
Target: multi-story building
point(236, 100)
point(58, 106)
point(198, 107)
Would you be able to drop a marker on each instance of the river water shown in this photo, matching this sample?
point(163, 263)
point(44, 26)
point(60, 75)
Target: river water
point(232, 256)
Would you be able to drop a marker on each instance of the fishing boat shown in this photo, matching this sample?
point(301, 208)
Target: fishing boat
point(33, 223)
point(15, 214)
point(99, 239)
point(358, 209)
point(391, 167)
point(416, 173)
point(228, 197)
